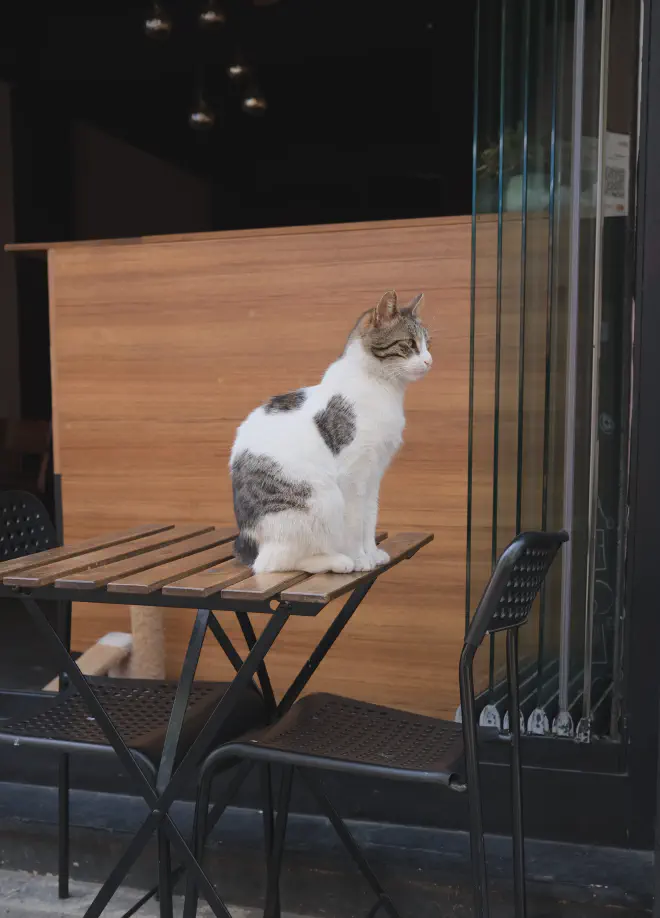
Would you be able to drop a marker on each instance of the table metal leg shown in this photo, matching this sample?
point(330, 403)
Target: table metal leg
point(170, 746)
point(225, 643)
point(322, 648)
point(297, 687)
point(164, 875)
point(181, 699)
point(262, 673)
point(226, 800)
point(205, 737)
point(314, 785)
point(159, 805)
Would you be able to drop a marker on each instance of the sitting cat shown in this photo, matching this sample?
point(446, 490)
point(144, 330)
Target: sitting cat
point(306, 467)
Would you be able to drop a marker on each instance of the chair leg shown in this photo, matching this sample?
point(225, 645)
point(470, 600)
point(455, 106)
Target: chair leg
point(199, 839)
point(477, 846)
point(63, 827)
point(266, 779)
point(517, 829)
point(351, 845)
point(164, 876)
point(274, 863)
point(518, 840)
point(478, 853)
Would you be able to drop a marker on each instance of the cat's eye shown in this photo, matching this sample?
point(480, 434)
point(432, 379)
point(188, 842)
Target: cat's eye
point(413, 345)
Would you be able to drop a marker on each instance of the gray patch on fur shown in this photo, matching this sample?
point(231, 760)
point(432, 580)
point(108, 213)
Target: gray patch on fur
point(260, 487)
point(246, 549)
point(290, 401)
point(336, 423)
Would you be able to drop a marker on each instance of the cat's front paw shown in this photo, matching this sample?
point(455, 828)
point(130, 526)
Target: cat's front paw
point(379, 557)
point(368, 560)
point(342, 564)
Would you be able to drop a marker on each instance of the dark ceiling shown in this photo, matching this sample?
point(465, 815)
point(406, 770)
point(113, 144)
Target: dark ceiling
point(369, 103)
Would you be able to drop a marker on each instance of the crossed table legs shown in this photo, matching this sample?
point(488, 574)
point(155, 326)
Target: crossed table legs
point(170, 781)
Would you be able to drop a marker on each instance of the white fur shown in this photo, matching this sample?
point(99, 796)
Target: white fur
point(337, 531)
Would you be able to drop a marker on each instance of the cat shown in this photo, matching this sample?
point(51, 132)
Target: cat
point(306, 467)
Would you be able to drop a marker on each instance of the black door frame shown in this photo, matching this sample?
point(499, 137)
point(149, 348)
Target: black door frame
point(643, 561)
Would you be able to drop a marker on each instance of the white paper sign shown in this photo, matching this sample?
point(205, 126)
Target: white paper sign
point(616, 180)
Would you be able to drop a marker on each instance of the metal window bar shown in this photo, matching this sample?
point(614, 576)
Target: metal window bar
point(563, 724)
point(584, 725)
point(489, 714)
point(538, 722)
point(473, 303)
point(567, 687)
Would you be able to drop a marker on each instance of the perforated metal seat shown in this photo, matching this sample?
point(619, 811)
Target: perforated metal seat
point(140, 710)
point(342, 734)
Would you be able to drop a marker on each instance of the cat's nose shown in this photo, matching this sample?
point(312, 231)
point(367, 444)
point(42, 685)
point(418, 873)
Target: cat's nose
point(428, 361)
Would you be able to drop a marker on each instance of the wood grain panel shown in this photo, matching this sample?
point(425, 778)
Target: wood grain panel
point(160, 350)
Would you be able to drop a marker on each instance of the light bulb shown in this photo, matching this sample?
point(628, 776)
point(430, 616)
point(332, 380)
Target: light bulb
point(238, 69)
point(212, 15)
point(202, 117)
point(157, 23)
point(253, 103)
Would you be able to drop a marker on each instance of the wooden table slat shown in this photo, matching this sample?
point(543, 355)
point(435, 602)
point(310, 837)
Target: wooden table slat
point(262, 587)
point(49, 573)
point(198, 539)
point(209, 581)
point(63, 552)
point(155, 577)
point(321, 588)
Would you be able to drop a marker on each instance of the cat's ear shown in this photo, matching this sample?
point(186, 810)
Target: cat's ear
point(416, 304)
point(386, 310)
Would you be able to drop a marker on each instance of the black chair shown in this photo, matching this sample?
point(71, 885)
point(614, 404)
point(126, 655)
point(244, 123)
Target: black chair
point(340, 734)
point(140, 709)
point(25, 527)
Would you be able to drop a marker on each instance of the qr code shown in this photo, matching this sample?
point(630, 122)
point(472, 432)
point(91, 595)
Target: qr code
point(615, 182)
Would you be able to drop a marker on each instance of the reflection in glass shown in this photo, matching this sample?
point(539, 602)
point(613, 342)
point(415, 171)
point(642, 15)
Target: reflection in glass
point(544, 452)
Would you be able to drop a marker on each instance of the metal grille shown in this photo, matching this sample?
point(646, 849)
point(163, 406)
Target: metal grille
point(340, 728)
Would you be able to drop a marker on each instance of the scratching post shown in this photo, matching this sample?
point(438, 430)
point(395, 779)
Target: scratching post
point(108, 655)
point(147, 660)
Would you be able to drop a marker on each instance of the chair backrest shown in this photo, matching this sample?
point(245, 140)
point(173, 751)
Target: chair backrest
point(515, 584)
point(25, 527)
point(505, 606)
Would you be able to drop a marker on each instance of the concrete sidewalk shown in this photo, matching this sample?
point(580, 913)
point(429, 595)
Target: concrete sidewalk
point(27, 895)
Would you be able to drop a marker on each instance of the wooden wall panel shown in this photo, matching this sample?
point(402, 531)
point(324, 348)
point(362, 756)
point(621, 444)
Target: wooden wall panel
point(161, 349)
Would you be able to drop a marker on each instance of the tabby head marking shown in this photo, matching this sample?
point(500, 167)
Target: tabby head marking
point(395, 339)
